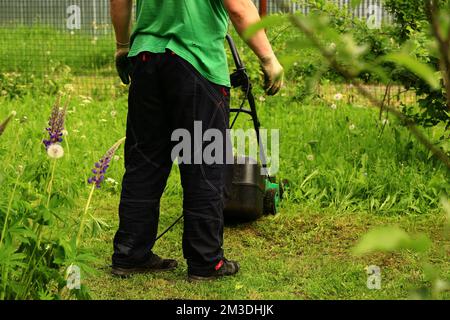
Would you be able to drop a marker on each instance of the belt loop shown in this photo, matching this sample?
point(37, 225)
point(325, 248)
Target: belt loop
point(145, 56)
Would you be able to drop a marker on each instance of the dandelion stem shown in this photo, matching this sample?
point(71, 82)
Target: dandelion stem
point(67, 146)
point(5, 224)
point(50, 183)
point(8, 210)
point(83, 217)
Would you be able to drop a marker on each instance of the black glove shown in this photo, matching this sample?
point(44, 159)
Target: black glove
point(123, 65)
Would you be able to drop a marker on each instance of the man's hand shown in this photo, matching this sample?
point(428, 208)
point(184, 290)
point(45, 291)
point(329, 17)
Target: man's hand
point(273, 74)
point(123, 65)
point(243, 14)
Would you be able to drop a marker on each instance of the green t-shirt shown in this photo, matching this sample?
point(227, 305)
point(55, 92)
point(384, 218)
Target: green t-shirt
point(193, 29)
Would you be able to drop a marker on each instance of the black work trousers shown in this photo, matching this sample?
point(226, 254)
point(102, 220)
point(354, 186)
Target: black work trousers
point(166, 94)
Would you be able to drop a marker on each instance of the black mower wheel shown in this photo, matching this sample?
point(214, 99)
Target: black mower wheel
point(270, 206)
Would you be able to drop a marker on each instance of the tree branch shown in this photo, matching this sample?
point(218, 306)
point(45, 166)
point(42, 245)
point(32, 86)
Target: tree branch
point(444, 46)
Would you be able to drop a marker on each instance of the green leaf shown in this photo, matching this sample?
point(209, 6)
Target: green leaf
point(266, 22)
point(422, 70)
point(390, 239)
point(421, 244)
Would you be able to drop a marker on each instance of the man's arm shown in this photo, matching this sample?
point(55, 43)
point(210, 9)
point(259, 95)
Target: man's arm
point(121, 20)
point(243, 13)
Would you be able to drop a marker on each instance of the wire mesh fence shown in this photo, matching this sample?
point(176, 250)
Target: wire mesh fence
point(72, 40)
point(367, 8)
point(68, 40)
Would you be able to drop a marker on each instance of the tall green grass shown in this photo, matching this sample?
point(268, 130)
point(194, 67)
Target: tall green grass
point(343, 159)
point(336, 160)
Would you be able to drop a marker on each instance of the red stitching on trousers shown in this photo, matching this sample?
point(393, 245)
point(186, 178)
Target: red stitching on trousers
point(219, 265)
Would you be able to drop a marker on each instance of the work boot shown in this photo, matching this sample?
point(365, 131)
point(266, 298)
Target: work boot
point(154, 264)
point(223, 268)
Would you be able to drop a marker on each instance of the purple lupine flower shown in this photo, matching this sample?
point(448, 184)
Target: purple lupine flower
point(55, 125)
point(102, 165)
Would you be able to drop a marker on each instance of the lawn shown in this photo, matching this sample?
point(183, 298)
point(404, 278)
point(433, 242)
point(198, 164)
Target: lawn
point(347, 175)
point(299, 254)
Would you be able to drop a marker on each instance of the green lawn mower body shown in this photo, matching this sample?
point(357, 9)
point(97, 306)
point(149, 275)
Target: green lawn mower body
point(250, 192)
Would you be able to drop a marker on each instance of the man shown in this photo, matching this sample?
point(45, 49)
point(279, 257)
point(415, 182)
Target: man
point(179, 75)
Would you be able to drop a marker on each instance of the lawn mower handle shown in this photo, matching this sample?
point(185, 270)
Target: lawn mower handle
point(237, 59)
point(239, 79)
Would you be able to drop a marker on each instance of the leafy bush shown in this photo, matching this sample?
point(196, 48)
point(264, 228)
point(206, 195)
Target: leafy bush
point(415, 35)
point(409, 16)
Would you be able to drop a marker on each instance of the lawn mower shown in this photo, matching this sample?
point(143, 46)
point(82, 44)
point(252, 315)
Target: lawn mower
point(250, 191)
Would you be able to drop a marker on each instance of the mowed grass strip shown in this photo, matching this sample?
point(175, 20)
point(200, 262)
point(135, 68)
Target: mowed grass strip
point(296, 255)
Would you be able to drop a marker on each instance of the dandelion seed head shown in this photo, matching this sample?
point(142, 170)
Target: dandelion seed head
point(113, 113)
point(310, 157)
point(55, 151)
point(333, 106)
point(338, 96)
point(352, 127)
point(69, 88)
point(13, 113)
